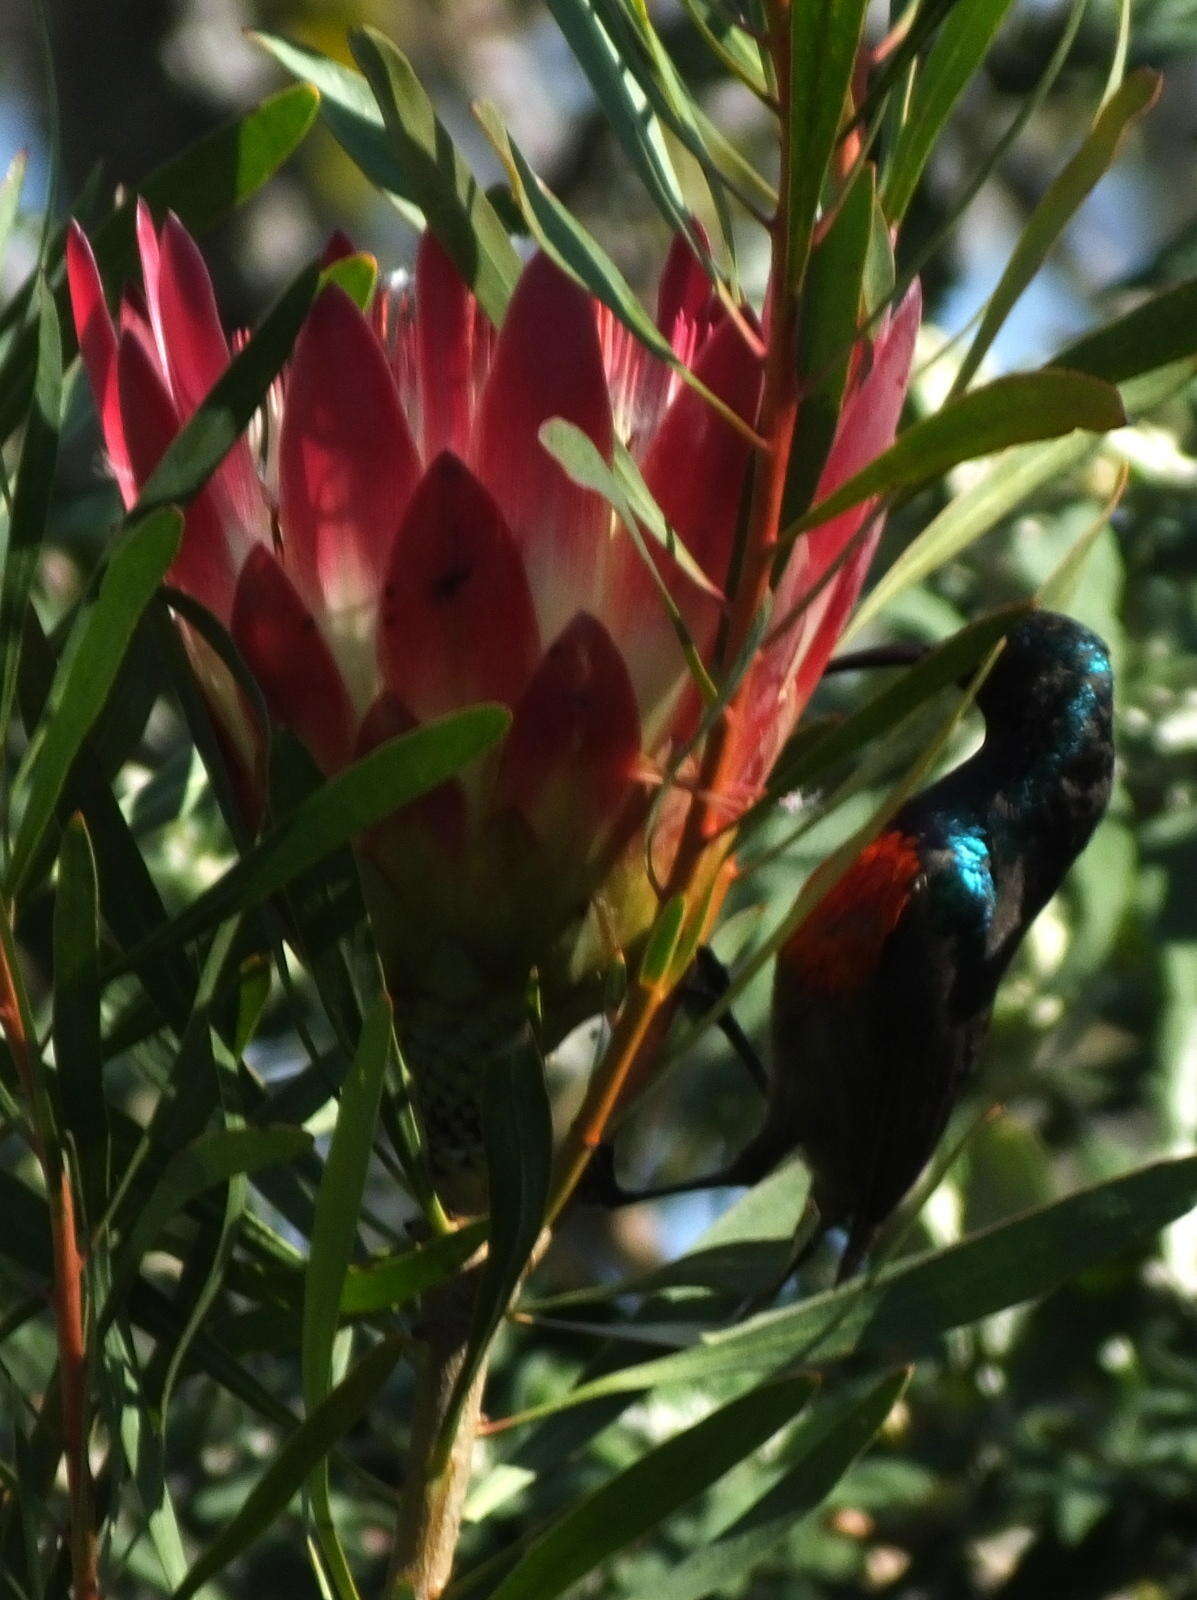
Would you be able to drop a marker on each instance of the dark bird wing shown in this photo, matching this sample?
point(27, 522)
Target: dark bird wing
point(874, 1028)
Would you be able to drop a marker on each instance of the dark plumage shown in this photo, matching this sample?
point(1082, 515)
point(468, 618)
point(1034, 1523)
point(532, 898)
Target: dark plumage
point(882, 998)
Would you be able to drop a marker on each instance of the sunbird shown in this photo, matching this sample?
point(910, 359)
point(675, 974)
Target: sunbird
point(882, 997)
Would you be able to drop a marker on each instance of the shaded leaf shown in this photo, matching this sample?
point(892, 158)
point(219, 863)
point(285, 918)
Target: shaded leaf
point(637, 1499)
point(31, 496)
point(210, 1160)
point(518, 1132)
point(85, 674)
point(823, 1444)
point(294, 1461)
point(1160, 331)
point(78, 1055)
point(215, 426)
point(905, 1307)
point(396, 772)
point(338, 1206)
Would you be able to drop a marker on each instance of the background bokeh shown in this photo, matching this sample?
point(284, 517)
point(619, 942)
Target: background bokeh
point(1050, 1453)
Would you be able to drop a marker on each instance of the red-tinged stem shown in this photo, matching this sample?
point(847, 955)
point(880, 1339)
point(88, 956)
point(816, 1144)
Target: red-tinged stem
point(698, 860)
point(66, 1296)
point(779, 413)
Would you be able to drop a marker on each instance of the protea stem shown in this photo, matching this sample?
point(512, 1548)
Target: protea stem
point(438, 1468)
point(779, 412)
point(643, 1021)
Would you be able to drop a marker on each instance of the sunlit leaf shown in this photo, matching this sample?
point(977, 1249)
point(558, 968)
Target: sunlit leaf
point(352, 115)
point(824, 36)
point(1014, 410)
point(1056, 209)
point(962, 45)
point(451, 198)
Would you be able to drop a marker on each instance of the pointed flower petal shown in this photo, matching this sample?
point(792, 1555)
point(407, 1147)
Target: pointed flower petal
point(150, 422)
point(571, 755)
point(283, 648)
point(547, 363)
point(456, 624)
point(447, 318)
point(97, 344)
point(789, 668)
point(443, 811)
point(347, 464)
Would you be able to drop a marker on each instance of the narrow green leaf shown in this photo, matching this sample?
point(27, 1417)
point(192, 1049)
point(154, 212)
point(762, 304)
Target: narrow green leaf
point(962, 45)
point(625, 491)
point(972, 513)
point(644, 1494)
point(392, 775)
point(902, 1309)
point(129, 899)
point(10, 197)
point(831, 315)
point(518, 1133)
point(352, 115)
point(203, 185)
point(451, 198)
point(390, 1282)
point(1160, 331)
point(823, 1444)
point(745, 1251)
point(662, 942)
point(215, 426)
point(210, 1160)
point(738, 53)
point(824, 38)
point(292, 1464)
point(88, 668)
point(357, 275)
point(949, 664)
point(78, 1055)
point(624, 105)
point(338, 1206)
point(31, 496)
point(1013, 410)
point(1057, 589)
point(1058, 206)
point(141, 1443)
point(562, 237)
point(216, 174)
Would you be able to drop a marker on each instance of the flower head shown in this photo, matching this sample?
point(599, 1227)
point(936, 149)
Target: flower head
point(394, 542)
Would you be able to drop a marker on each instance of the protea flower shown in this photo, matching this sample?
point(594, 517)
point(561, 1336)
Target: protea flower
point(394, 542)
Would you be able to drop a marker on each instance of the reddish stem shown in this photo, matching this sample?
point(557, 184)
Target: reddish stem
point(66, 1296)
